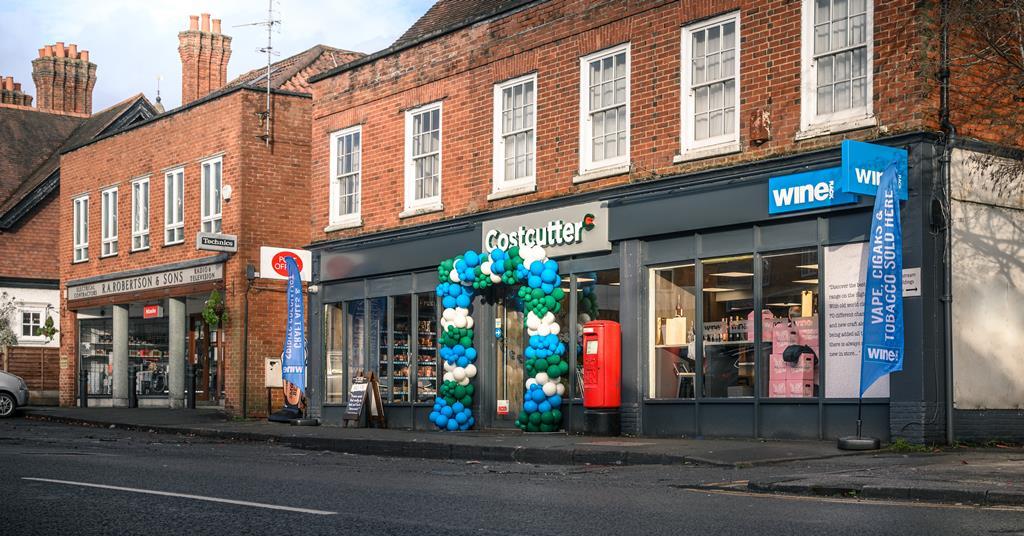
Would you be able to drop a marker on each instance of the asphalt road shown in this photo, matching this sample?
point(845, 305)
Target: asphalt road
point(61, 479)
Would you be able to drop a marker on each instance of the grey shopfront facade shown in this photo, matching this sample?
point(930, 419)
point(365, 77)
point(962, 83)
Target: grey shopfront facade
point(691, 225)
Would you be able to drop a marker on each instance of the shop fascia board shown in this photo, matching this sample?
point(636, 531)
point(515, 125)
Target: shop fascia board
point(213, 259)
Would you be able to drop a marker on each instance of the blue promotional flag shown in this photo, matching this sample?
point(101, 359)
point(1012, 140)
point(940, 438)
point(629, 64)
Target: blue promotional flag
point(882, 351)
point(293, 360)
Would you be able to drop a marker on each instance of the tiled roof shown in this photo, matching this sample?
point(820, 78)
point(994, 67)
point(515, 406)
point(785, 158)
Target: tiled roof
point(451, 14)
point(291, 74)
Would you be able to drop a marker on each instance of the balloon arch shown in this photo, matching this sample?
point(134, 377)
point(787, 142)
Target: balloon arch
point(541, 293)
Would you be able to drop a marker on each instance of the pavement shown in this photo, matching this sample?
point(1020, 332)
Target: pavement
point(983, 476)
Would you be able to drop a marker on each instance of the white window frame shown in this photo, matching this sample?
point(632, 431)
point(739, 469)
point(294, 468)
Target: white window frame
point(171, 223)
point(80, 231)
point(811, 124)
point(140, 233)
point(587, 164)
point(108, 218)
point(500, 184)
point(21, 323)
point(354, 219)
point(726, 143)
point(415, 206)
point(210, 220)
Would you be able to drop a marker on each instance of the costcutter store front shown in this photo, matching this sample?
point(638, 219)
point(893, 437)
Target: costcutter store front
point(712, 277)
point(140, 326)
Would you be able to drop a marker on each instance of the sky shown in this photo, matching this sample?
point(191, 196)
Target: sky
point(132, 42)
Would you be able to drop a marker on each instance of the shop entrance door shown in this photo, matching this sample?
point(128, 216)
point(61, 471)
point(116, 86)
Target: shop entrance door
point(199, 351)
point(508, 352)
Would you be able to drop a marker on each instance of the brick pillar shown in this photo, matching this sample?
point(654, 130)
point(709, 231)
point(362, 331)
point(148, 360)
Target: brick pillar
point(10, 93)
point(64, 79)
point(204, 55)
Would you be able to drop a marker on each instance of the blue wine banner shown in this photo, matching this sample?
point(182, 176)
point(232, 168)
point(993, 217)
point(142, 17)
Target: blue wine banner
point(293, 360)
point(882, 349)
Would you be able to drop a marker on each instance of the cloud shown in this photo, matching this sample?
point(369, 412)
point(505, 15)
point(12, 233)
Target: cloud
point(132, 42)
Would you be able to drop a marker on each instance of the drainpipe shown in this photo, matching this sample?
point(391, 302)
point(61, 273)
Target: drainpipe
point(947, 259)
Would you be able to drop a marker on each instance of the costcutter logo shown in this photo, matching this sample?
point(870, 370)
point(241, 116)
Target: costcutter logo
point(804, 191)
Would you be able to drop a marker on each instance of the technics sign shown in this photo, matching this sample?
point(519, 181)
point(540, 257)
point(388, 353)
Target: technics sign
point(217, 242)
point(561, 231)
point(172, 278)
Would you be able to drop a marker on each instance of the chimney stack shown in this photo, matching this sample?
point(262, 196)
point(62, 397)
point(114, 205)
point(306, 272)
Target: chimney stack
point(204, 55)
point(10, 92)
point(64, 79)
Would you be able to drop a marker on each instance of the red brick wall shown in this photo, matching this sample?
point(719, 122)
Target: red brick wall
point(268, 184)
point(25, 247)
point(461, 68)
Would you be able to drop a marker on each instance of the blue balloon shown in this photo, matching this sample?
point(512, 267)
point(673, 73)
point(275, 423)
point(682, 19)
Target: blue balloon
point(458, 349)
point(543, 406)
point(530, 352)
point(470, 422)
point(551, 265)
point(462, 301)
point(529, 406)
point(548, 288)
point(537, 395)
point(555, 401)
point(535, 341)
point(433, 416)
point(536, 268)
point(560, 349)
point(441, 421)
point(461, 418)
point(448, 302)
point(548, 276)
point(447, 411)
point(498, 267)
point(533, 281)
point(461, 361)
point(441, 402)
point(471, 353)
point(446, 352)
point(471, 258)
point(437, 407)
point(458, 407)
point(452, 425)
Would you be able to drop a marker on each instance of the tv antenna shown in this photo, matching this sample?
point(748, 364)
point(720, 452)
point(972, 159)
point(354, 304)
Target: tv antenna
point(270, 22)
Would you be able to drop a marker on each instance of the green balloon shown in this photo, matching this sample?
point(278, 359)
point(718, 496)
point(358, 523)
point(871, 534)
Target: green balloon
point(554, 359)
point(546, 417)
point(535, 418)
point(563, 368)
point(532, 427)
point(522, 416)
point(554, 371)
point(538, 294)
point(470, 389)
point(466, 341)
point(450, 400)
point(547, 428)
point(549, 302)
point(556, 415)
point(558, 294)
point(460, 391)
point(466, 401)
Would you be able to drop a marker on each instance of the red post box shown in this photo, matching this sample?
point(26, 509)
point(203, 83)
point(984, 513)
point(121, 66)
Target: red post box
point(602, 364)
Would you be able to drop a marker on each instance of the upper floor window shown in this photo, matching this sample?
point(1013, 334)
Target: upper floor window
point(211, 196)
point(174, 207)
point(81, 228)
point(837, 64)
point(604, 109)
point(108, 217)
point(346, 166)
point(423, 157)
point(140, 214)
point(30, 322)
point(515, 138)
point(710, 78)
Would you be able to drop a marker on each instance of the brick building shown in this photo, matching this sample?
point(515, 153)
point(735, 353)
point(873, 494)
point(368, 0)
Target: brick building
point(709, 140)
point(30, 173)
point(160, 215)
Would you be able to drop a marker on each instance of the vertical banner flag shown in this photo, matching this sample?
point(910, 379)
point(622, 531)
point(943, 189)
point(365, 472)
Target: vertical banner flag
point(293, 360)
point(882, 348)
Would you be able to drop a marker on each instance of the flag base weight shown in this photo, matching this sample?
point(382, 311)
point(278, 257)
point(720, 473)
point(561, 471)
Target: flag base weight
point(858, 443)
point(285, 415)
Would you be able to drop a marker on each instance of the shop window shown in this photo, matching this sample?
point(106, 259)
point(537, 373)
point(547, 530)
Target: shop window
point(147, 352)
point(81, 228)
point(604, 106)
point(729, 350)
point(789, 318)
point(673, 359)
point(597, 298)
point(140, 214)
point(211, 196)
point(515, 144)
point(346, 171)
point(108, 217)
point(174, 207)
point(334, 354)
point(30, 322)
point(710, 77)
point(95, 350)
point(837, 64)
point(423, 158)
point(394, 366)
point(426, 344)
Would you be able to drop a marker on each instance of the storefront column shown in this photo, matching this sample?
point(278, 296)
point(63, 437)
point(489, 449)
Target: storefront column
point(177, 319)
point(120, 361)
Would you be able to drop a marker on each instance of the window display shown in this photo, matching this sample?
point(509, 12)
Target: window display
point(790, 319)
point(147, 352)
point(96, 348)
point(426, 348)
point(334, 337)
point(728, 299)
point(673, 357)
point(597, 298)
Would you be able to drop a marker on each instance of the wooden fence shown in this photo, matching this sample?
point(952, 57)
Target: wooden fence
point(38, 366)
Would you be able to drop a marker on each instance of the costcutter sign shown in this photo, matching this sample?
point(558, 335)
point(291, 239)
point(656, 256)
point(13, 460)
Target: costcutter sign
point(561, 231)
point(170, 278)
point(861, 168)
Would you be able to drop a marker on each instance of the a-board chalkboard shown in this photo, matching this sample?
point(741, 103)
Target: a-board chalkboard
point(356, 398)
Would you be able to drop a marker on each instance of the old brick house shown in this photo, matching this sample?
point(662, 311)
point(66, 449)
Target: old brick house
point(33, 138)
point(708, 139)
point(157, 217)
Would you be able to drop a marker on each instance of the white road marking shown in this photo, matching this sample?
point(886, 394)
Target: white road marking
point(185, 496)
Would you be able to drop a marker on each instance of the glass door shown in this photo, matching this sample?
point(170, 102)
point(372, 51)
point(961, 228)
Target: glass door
point(509, 346)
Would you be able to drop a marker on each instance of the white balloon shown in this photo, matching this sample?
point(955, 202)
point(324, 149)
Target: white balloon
point(459, 374)
point(544, 330)
point(454, 276)
point(448, 366)
point(449, 377)
point(464, 381)
point(529, 382)
point(542, 378)
point(461, 311)
point(550, 388)
point(532, 322)
point(469, 322)
point(471, 371)
point(554, 327)
point(584, 318)
point(448, 314)
point(560, 389)
point(460, 322)
point(485, 267)
point(549, 317)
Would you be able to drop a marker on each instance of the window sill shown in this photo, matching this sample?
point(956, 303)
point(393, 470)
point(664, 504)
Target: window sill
point(708, 151)
point(170, 244)
point(80, 261)
point(835, 126)
point(419, 211)
point(107, 256)
point(344, 224)
point(139, 250)
point(512, 192)
point(602, 173)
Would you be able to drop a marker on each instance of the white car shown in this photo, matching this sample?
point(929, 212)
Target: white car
point(13, 394)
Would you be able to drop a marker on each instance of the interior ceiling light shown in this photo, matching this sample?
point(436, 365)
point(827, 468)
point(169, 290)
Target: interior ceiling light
point(734, 274)
point(808, 266)
point(584, 279)
point(717, 289)
point(806, 281)
point(781, 304)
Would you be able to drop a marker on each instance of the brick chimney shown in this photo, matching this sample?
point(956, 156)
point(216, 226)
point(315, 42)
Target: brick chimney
point(64, 79)
point(10, 93)
point(204, 58)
